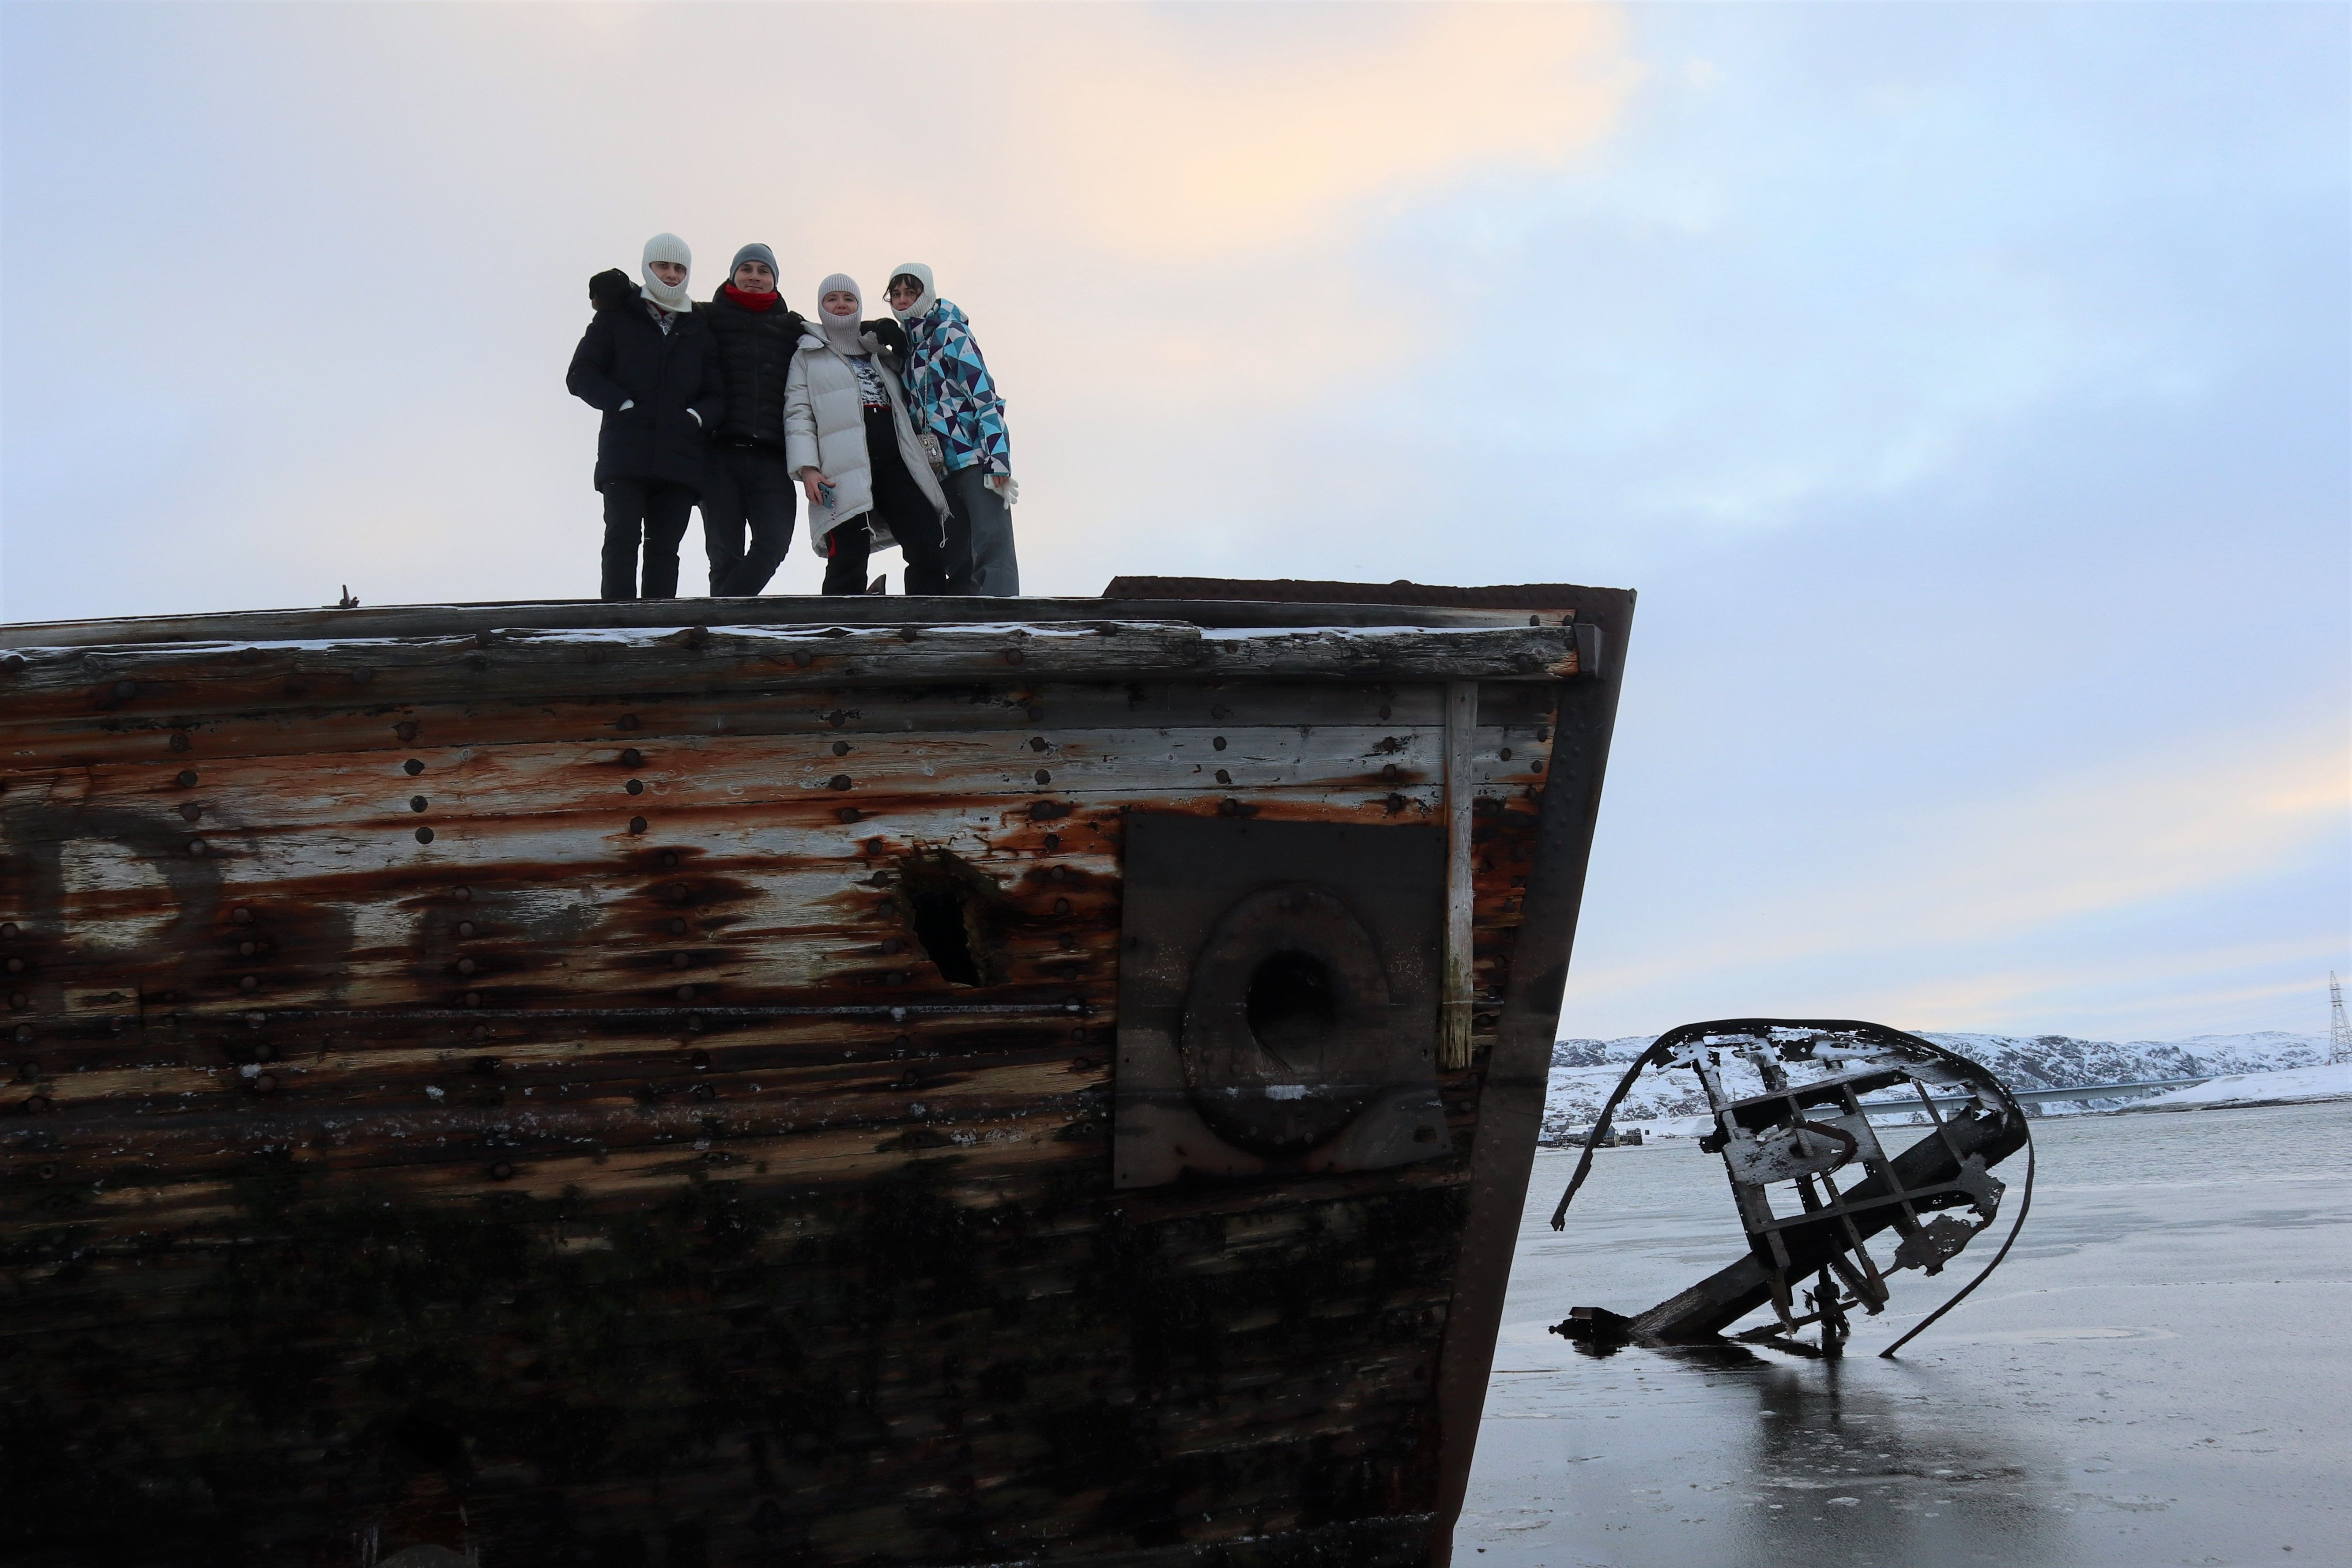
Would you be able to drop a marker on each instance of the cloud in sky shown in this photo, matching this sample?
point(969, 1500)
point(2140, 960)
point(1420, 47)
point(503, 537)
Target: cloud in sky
point(1965, 389)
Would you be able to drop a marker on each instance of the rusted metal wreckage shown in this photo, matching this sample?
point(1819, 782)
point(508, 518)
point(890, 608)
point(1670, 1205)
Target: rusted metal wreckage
point(977, 1082)
point(1794, 1135)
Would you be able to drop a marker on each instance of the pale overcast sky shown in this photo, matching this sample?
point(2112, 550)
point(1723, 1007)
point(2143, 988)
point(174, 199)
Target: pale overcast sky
point(1965, 388)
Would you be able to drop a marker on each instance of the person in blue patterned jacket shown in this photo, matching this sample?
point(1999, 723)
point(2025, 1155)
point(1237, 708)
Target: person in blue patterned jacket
point(963, 419)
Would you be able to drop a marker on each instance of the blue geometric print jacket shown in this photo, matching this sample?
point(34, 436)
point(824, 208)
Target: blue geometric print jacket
point(951, 390)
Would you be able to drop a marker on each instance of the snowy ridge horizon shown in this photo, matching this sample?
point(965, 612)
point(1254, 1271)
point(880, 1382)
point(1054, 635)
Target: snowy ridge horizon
point(1584, 1071)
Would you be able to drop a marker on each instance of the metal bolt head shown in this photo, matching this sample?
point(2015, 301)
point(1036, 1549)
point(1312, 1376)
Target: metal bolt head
point(16, 966)
point(678, 928)
point(1061, 905)
point(849, 814)
point(628, 720)
point(669, 857)
point(247, 949)
point(679, 960)
point(412, 767)
point(250, 983)
point(1045, 777)
point(1223, 777)
point(1052, 842)
point(187, 778)
point(1219, 742)
point(633, 758)
point(424, 835)
point(417, 803)
point(242, 916)
point(465, 928)
point(125, 690)
point(686, 992)
point(179, 741)
point(638, 824)
point(462, 894)
point(466, 966)
point(8, 930)
point(265, 1083)
point(841, 748)
point(501, 1172)
point(472, 998)
point(635, 786)
point(838, 781)
point(190, 810)
point(196, 846)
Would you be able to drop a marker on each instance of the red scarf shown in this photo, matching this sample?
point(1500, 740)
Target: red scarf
point(755, 303)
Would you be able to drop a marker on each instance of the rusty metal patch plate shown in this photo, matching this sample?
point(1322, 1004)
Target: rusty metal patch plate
point(1278, 986)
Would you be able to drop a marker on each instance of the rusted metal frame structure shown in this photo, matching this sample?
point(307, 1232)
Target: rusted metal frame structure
point(1947, 1168)
point(99, 716)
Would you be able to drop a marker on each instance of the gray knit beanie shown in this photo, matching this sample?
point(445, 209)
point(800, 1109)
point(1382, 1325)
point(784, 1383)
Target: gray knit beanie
point(754, 253)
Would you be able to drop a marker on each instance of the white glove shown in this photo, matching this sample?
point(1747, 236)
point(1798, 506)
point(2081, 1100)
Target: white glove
point(1007, 489)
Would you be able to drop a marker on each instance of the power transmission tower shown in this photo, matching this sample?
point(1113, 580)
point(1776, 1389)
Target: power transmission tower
point(2339, 1033)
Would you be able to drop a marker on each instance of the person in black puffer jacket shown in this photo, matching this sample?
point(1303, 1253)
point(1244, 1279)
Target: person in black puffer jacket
point(747, 483)
point(648, 362)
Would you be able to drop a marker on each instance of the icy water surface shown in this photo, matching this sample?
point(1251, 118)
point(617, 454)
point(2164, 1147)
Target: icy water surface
point(2157, 1376)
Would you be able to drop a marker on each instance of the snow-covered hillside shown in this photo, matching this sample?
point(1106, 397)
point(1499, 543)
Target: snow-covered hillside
point(1584, 1071)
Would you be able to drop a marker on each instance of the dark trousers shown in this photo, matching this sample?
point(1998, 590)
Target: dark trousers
point(744, 486)
point(657, 512)
point(906, 511)
point(986, 526)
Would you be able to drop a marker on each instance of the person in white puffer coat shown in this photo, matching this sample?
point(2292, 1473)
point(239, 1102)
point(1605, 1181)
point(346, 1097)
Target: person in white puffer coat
point(849, 441)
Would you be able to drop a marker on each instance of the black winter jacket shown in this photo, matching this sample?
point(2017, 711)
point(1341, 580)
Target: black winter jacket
point(671, 377)
point(755, 354)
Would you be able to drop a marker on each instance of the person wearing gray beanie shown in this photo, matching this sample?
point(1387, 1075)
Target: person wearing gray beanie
point(748, 486)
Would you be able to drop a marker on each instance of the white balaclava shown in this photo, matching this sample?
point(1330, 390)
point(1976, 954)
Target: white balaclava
point(921, 274)
point(841, 332)
point(668, 296)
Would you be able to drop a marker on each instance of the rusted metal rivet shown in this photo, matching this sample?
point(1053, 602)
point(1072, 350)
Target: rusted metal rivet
point(701, 1058)
point(1390, 774)
point(1219, 744)
point(638, 824)
point(251, 655)
point(472, 998)
point(1052, 842)
point(628, 720)
point(465, 928)
point(679, 960)
point(362, 675)
point(1012, 655)
point(1384, 709)
point(1058, 874)
point(841, 748)
point(187, 778)
point(676, 928)
point(669, 857)
point(1505, 754)
point(1061, 905)
point(1220, 712)
point(18, 1001)
point(677, 893)
point(697, 637)
point(1535, 767)
point(196, 846)
point(908, 634)
point(424, 835)
point(838, 781)
point(16, 966)
point(8, 930)
point(241, 915)
point(1036, 742)
point(1543, 732)
point(466, 966)
point(46, 1170)
point(485, 639)
point(702, 1091)
point(406, 730)
point(801, 656)
point(247, 949)
point(190, 810)
point(694, 1023)
point(884, 907)
point(1395, 804)
point(265, 1083)
point(179, 742)
point(462, 894)
point(849, 814)
point(633, 758)
point(501, 1172)
point(417, 803)
point(1044, 778)
point(125, 690)
point(1037, 715)
point(15, 661)
point(686, 992)
point(1223, 777)
point(635, 786)
point(250, 983)
point(37, 1104)
point(412, 767)
point(264, 1051)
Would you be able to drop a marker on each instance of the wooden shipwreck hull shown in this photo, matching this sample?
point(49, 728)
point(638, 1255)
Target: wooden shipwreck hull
point(984, 1082)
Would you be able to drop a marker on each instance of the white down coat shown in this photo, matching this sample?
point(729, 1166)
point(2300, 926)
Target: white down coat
point(824, 428)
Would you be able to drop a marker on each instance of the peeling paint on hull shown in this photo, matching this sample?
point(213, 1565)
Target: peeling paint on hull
point(628, 1095)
